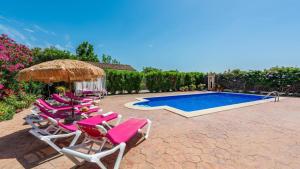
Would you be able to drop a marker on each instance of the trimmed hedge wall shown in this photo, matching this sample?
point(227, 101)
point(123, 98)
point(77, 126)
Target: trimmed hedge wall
point(283, 79)
point(159, 81)
point(120, 81)
point(155, 81)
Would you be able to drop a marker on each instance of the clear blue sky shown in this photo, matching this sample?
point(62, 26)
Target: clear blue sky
point(188, 35)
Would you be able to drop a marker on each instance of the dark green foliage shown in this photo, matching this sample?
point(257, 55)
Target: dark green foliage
point(150, 69)
point(283, 79)
point(114, 81)
point(157, 81)
point(154, 81)
point(119, 81)
point(12, 104)
point(132, 81)
point(109, 59)
point(6, 111)
point(52, 53)
point(36, 88)
point(85, 52)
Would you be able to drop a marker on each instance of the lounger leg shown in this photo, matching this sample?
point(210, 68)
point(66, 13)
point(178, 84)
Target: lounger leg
point(148, 129)
point(77, 135)
point(98, 162)
point(73, 159)
point(120, 155)
point(119, 119)
point(49, 142)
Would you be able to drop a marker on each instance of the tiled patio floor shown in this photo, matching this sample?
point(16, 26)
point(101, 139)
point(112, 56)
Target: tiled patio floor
point(265, 136)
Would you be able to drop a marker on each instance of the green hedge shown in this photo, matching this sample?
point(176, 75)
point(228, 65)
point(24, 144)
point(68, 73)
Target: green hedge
point(120, 81)
point(283, 79)
point(164, 81)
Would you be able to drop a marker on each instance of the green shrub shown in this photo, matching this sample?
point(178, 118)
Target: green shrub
point(192, 87)
point(28, 98)
point(14, 101)
point(184, 88)
point(277, 78)
point(201, 86)
point(154, 81)
point(118, 81)
point(6, 111)
point(115, 81)
point(132, 81)
point(60, 89)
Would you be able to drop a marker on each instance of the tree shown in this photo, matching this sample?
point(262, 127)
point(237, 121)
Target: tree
point(109, 59)
point(52, 53)
point(150, 69)
point(85, 52)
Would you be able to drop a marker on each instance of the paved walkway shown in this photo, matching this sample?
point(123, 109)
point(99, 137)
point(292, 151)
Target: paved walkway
point(265, 136)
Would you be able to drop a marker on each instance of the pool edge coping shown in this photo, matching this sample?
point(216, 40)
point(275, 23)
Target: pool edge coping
point(197, 112)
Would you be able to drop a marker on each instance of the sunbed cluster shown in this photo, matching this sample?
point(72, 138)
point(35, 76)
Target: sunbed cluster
point(92, 137)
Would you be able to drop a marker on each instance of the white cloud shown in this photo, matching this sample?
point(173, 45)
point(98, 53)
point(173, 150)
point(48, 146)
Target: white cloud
point(29, 30)
point(32, 38)
point(29, 44)
point(4, 18)
point(68, 44)
point(59, 47)
point(40, 29)
point(12, 32)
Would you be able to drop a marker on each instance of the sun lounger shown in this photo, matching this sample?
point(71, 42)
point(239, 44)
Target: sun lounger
point(35, 119)
point(78, 99)
point(59, 99)
point(116, 137)
point(54, 109)
point(57, 129)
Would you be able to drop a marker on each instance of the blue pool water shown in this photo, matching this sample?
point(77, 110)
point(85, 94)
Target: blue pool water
point(195, 102)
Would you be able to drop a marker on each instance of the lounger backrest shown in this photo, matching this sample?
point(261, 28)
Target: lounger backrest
point(91, 131)
point(44, 104)
point(70, 94)
point(50, 119)
point(46, 111)
point(59, 99)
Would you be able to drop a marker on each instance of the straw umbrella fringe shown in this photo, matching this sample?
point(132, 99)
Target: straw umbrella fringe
point(62, 70)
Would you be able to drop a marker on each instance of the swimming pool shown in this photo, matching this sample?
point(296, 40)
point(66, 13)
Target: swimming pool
point(198, 104)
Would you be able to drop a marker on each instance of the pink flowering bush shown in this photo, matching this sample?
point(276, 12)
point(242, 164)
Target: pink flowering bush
point(13, 57)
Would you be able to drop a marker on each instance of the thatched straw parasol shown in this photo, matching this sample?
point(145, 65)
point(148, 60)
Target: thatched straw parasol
point(61, 70)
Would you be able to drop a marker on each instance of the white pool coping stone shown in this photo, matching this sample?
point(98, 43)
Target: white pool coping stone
point(197, 112)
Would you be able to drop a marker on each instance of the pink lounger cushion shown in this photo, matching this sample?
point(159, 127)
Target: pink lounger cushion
point(126, 130)
point(59, 108)
point(93, 121)
point(64, 114)
point(69, 127)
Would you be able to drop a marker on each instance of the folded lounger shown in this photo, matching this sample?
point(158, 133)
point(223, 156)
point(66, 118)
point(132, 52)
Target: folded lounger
point(56, 129)
point(115, 137)
point(78, 99)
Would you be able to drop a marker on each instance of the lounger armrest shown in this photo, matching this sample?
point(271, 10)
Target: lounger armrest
point(59, 136)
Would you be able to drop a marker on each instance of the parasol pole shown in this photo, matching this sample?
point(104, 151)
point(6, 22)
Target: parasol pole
point(72, 104)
